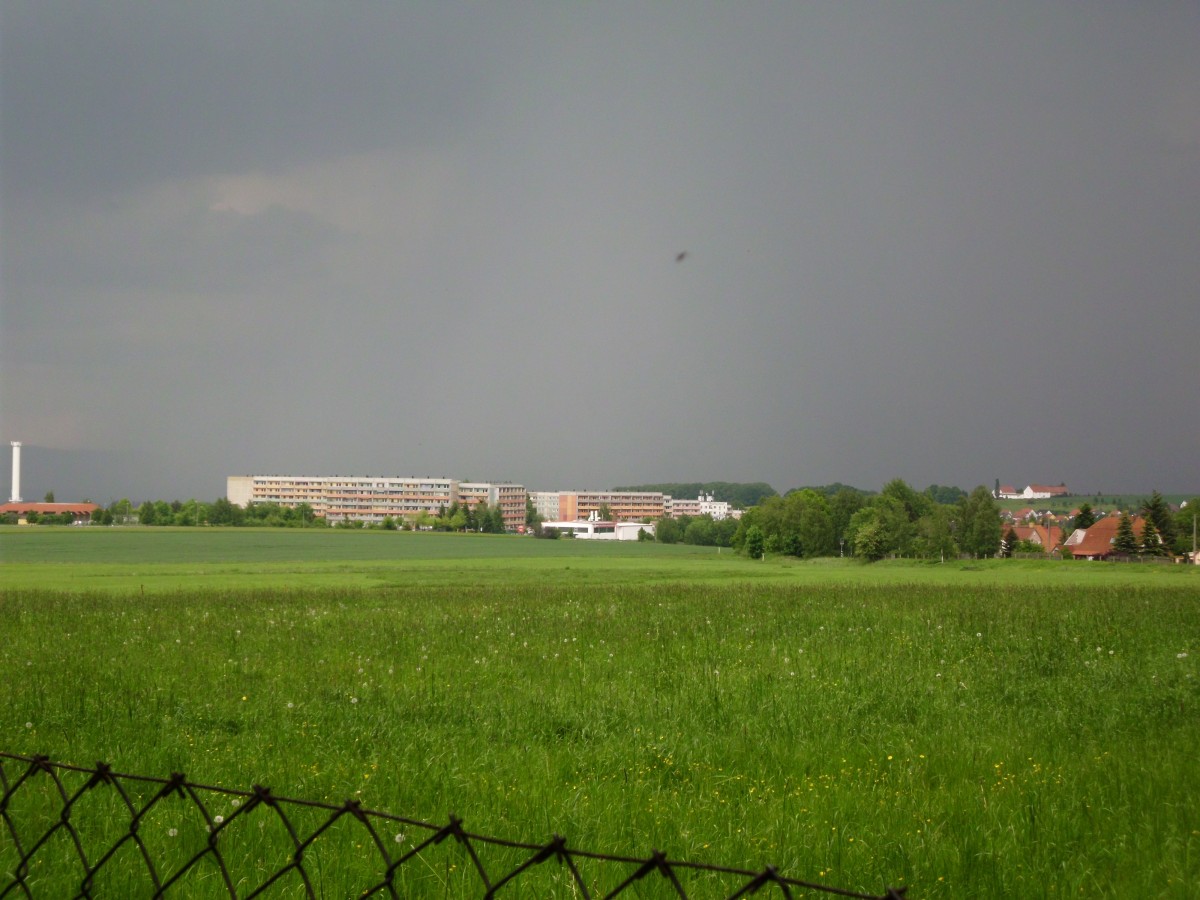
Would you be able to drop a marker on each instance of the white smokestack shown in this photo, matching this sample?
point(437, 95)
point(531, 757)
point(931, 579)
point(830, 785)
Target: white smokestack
point(16, 476)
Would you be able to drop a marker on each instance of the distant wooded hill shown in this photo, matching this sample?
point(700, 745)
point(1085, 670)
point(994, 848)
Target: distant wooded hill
point(941, 493)
point(739, 495)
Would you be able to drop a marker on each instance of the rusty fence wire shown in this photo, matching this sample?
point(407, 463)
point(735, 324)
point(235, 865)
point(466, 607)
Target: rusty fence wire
point(91, 832)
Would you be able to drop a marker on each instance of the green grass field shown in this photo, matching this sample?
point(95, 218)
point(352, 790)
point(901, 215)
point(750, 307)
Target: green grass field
point(154, 560)
point(991, 729)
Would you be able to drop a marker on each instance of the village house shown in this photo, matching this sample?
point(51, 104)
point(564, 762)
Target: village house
point(1048, 537)
point(79, 512)
point(1097, 542)
point(1031, 492)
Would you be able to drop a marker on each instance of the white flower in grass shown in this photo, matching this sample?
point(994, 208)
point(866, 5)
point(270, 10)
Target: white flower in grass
point(172, 832)
point(353, 699)
point(218, 819)
point(1177, 656)
point(400, 838)
point(235, 802)
point(28, 724)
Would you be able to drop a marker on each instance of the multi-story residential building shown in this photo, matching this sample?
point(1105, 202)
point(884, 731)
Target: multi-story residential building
point(704, 505)
point(372, 498)
point(506, 495)
point(623, 506)
point(545, 504)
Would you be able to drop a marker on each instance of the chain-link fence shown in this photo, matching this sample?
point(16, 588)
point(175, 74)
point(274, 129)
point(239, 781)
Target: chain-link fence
point(90, 832)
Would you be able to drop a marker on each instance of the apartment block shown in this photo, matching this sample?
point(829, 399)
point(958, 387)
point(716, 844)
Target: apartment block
point(703, 505)
point(546, 505)
point(372, 498)
point(624, 506)
point(506, 495)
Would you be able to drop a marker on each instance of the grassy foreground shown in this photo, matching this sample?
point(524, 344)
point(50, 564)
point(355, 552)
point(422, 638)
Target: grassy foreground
point(977, 731)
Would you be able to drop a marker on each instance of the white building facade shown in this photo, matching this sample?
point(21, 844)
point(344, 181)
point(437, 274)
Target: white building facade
point(704, 505)
point(592, 530)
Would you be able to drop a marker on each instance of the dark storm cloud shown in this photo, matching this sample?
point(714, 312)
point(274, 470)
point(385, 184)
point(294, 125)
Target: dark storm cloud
point(109, 96)
point(945, 242)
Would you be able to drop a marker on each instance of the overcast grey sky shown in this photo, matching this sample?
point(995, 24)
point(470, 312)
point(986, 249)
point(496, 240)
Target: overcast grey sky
point(946, 242)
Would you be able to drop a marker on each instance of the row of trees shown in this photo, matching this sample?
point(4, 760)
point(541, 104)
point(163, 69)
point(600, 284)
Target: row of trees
point(702, 531)
point(836, 519)
point(35, 518)
point(480, 517)
point(1161, 523)
point(936, 523)
point(461, 517)
point(898, 521)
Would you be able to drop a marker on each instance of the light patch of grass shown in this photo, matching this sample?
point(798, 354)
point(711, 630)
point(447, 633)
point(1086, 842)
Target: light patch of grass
point(153, 560)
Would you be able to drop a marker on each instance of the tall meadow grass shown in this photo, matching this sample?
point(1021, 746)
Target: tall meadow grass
point(967, 741)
